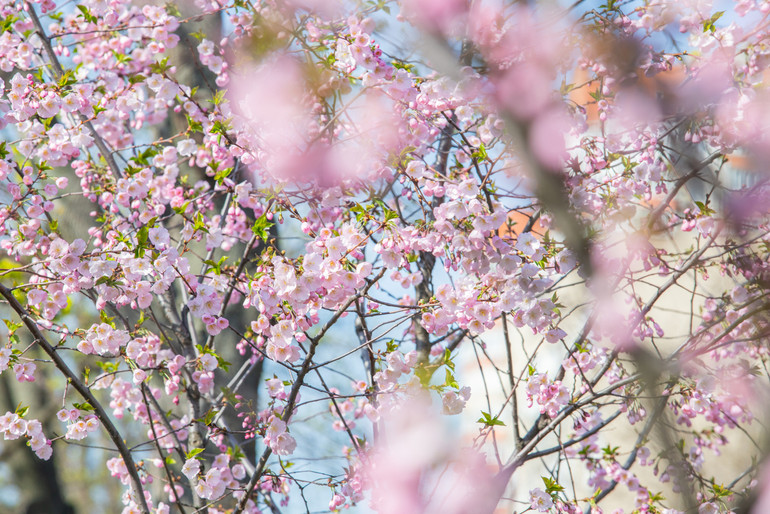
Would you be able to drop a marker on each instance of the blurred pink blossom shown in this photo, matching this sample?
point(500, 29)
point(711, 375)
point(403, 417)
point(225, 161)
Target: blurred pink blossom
point(418, 467)
point(546, 137)
point(437, 15)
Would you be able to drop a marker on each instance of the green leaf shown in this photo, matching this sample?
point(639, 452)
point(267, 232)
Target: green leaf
point(360, 213)
point(192, 453)
point(657, 497)
point(86, 14)
point(183, 208)
point(708, 25)
point(221, 175)
point(135, 79)
point(160, 67)
point(235, 453)
point(216, 266)
point(448, 359)
point(209, 417)
point(223, 363)
point(424, 373)
point(106, 319)
point(480, 154)
point(705, 209)
point(219, 128)
point(144, 157)
point(83, 406)
point(12, 326)
point(106, 280)
point(141, 241)
point(551, 485)
point(200, 223)
point(7, 23)
point(218, 97)
point(108, 367)
point(450, 381)
point(487, 419)
point(67, 78)
point(400, 65)
point(195, 126)
point(261, 226)
point(720, 491)
point(172, 9)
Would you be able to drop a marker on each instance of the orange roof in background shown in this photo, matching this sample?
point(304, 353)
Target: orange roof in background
point(517, 220)
point(582, 95)
point(741, 162)
point(664, 82)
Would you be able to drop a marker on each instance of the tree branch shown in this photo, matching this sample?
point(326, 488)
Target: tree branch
point(77, 384)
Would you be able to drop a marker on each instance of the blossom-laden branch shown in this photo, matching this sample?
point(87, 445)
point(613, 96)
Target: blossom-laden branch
point(84, 391)
point(288, 410)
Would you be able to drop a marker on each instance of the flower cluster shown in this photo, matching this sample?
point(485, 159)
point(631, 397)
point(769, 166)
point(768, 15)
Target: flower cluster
point(13, 426)
point(550, 396)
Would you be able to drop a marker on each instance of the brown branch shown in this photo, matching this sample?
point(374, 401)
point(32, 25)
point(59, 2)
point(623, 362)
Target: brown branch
point(77, 384)
point(169, 476)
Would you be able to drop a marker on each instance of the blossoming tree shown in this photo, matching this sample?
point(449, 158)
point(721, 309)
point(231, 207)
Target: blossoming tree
point(239, 236)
